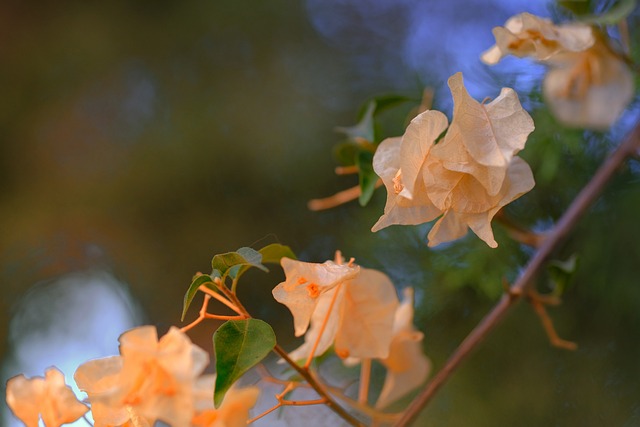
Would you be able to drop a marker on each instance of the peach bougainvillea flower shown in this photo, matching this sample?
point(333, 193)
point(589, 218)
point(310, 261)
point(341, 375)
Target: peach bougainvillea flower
point(467, 177)
point(529, 35)
point(407, 366)
point(151, 379)
point(352, 307)
point(48, 397)
point(398, 162)
point(234, 411)
point(588, 84)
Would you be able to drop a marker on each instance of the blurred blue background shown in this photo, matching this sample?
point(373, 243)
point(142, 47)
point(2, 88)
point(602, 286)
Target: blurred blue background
point(138, 139)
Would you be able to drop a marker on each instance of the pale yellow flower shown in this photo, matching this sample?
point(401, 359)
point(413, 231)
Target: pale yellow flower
point(529, 35)
point(234, 411)
point(467, 177)
point(352, 308)
point(407, 366)
point(398, 162)
point(588, 84)
point(588, 89)
point(48, 397)
point(151, 379)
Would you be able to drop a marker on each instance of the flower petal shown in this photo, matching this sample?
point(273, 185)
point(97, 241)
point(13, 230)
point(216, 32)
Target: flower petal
point(305, 283)
point(367, 316)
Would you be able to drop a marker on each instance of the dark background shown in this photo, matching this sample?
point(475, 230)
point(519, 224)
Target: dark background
point(138, 139)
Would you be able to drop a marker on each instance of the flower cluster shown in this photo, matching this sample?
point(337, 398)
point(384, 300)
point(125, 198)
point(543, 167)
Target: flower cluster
point(48, 397)
point(467, 177)
point(150, 380)
point(346, 305)
point(357, 310)
point(588, 84)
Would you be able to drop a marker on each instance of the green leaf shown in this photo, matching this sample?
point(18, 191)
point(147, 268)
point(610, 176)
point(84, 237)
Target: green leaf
point(236, 263)
point(364, 128)
point(615, 14)
point(253, 259)
point(561, 273)
point(386, 102)
point(198, 281)
point(239, 345)
point(345, 153)
point(366, 176)
point(273, 253)
point(578, 7)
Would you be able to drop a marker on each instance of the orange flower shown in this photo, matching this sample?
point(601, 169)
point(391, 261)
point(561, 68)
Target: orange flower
point(467, 177)
point(407, 366)
point(151, 380)
point(48, 397)
point(234, 411)
point(588, 84)
point(353, 308)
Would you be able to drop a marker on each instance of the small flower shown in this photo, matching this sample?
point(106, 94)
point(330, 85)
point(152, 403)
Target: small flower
point(48, 397)
point(234, 411)
point(151, 379)
point(407, 366)
point(588, 84)
point(529, 35)
point(353, 308)
point(467, 177)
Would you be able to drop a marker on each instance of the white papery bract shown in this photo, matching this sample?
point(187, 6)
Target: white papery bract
point(467, 177)
point(588, 84)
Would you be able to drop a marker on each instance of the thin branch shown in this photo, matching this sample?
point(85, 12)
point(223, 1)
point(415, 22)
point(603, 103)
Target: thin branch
point(220, 298)
point(346, 170)
point(365, 379)
point(519, 233)
point(267, 412)
point(566, 223)
point(538, 305)
point(371, 412)
point(340, 198)
point(304, 373)
point(311, 380)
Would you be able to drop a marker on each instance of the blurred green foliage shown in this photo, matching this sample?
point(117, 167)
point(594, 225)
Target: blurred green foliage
point(143, 137)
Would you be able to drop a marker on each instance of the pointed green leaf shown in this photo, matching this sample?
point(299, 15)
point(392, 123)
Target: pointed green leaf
point(364, 128)
point(234, 264)
point(366, 175)
point(198, 281)
point(386, 102)
point(252, 258)
point(239, 345)
point(561, 273)
point(578, 7)
point(273, 253)
point(615, 14)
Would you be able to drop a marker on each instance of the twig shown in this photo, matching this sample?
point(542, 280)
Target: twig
point(346, 170)
point(519, 233)
point(578, 207)
point(538, 304)
point(365, 378)
point(305, 373)
point(374, 414)
point(311, 380)
point(340, 198)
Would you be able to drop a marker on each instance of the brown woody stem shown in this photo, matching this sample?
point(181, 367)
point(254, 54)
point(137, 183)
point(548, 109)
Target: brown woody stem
point(566, 223)
point(304, 373)
point(311, 380)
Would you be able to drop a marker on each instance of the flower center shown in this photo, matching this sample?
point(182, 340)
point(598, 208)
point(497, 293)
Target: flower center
point(152, 379)
point(398, 186)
